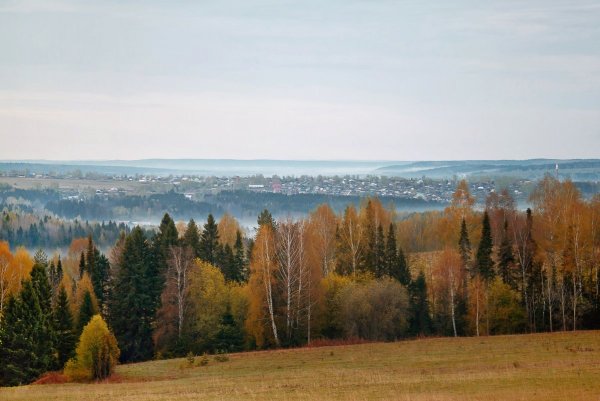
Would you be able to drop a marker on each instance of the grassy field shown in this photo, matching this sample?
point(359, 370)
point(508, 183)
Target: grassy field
point(562, 366)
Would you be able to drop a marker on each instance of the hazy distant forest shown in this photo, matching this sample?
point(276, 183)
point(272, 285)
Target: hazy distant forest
point(362, 274)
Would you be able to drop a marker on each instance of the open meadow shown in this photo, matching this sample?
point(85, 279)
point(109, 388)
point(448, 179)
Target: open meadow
point(556, 366)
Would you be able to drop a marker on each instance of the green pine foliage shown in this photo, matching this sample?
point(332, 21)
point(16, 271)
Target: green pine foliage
point(464, 245)
point(484, 262)
point(420, 319)
point(26, 339)
point(135, 298)
point(230, 337)
point(209, 241)
point(191, 237)
point(86, 312)
point(66, 338)
point(82, 265)
point(506, 259)
point(240, 270)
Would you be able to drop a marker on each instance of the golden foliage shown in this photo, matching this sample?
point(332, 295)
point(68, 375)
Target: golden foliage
point(97, 353)
point(228, 227)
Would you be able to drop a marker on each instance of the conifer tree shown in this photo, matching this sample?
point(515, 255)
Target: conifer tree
point(227, 264)
point(41, 284)
point(400, 270)
point(230, 337)
point(265, 217)
point(26, 346)
point(506, 258)
point(391, 250)
point(135, 298)
point(191, 237)
point(17, 348)
point(82, 266)
point(100, 279)
point(464, 245)
point(379, 256)
point(239, 260)
point(44, 295)
point(63, 324)
point(86, 311)
point(420, 320)
point(484, 262)
point(209, 241)
point(59, 269)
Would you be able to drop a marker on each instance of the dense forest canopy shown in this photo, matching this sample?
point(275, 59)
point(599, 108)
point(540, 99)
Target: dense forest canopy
point(362, 272)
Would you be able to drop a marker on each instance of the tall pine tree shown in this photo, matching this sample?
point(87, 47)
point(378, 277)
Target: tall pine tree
point(63, 324)
point(239, 260)
point(506, 259)
point(86, 312)
point(26, 334)
point(209, 241)
point(464, 246)
point(135, 298)
point(191, 237)
point(484, 262)
point(419, 320)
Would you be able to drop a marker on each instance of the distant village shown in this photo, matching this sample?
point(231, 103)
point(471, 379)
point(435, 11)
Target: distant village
point(78, 186)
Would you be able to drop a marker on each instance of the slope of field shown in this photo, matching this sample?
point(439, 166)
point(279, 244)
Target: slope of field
point(528, 367)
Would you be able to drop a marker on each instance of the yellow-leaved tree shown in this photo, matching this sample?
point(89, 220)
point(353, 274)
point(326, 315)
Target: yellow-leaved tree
point(97, 353)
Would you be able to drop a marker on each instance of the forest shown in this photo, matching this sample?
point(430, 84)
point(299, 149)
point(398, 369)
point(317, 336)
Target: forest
point(363, 274)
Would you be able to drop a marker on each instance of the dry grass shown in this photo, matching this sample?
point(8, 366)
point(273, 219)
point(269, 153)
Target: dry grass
point(562, 366)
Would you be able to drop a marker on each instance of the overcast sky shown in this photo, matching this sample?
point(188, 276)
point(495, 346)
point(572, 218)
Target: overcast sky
point(324, 79)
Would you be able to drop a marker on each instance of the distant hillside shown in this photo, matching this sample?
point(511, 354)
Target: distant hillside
point(579, 170)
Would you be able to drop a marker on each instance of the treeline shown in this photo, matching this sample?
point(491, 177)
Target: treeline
point(131, 207)
point(363, 274)
point(47, 232)
point(249, 204)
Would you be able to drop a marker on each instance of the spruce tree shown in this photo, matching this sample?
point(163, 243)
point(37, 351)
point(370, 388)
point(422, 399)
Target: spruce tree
point(191, 237)
point(86, 312)
point(400, 270)
point(391, 250)
point(63, 324)
point(227, 264)
point(100, 278)
point(162, 243)
point(41, 284)
point(26, 346)
point(82, 266)
point(17, 347)
point(420, 320)
point(265, 217)
point(209, 241)
point(464, 245)
point(135, 298)
point(506, 259)
point(484, 262)
point(59, 270)
point(379, 256)
point(239, 260)
point(44, 295)
point(230, 337)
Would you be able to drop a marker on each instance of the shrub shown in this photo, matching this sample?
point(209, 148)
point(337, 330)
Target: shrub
point(221, 356)
point(97, 353)
point(204, 360)
point(374, 310)
point(190, 358)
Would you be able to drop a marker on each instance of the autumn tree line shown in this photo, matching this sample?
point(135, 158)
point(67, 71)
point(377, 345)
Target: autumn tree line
point(27, 229)
point(368, 273)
